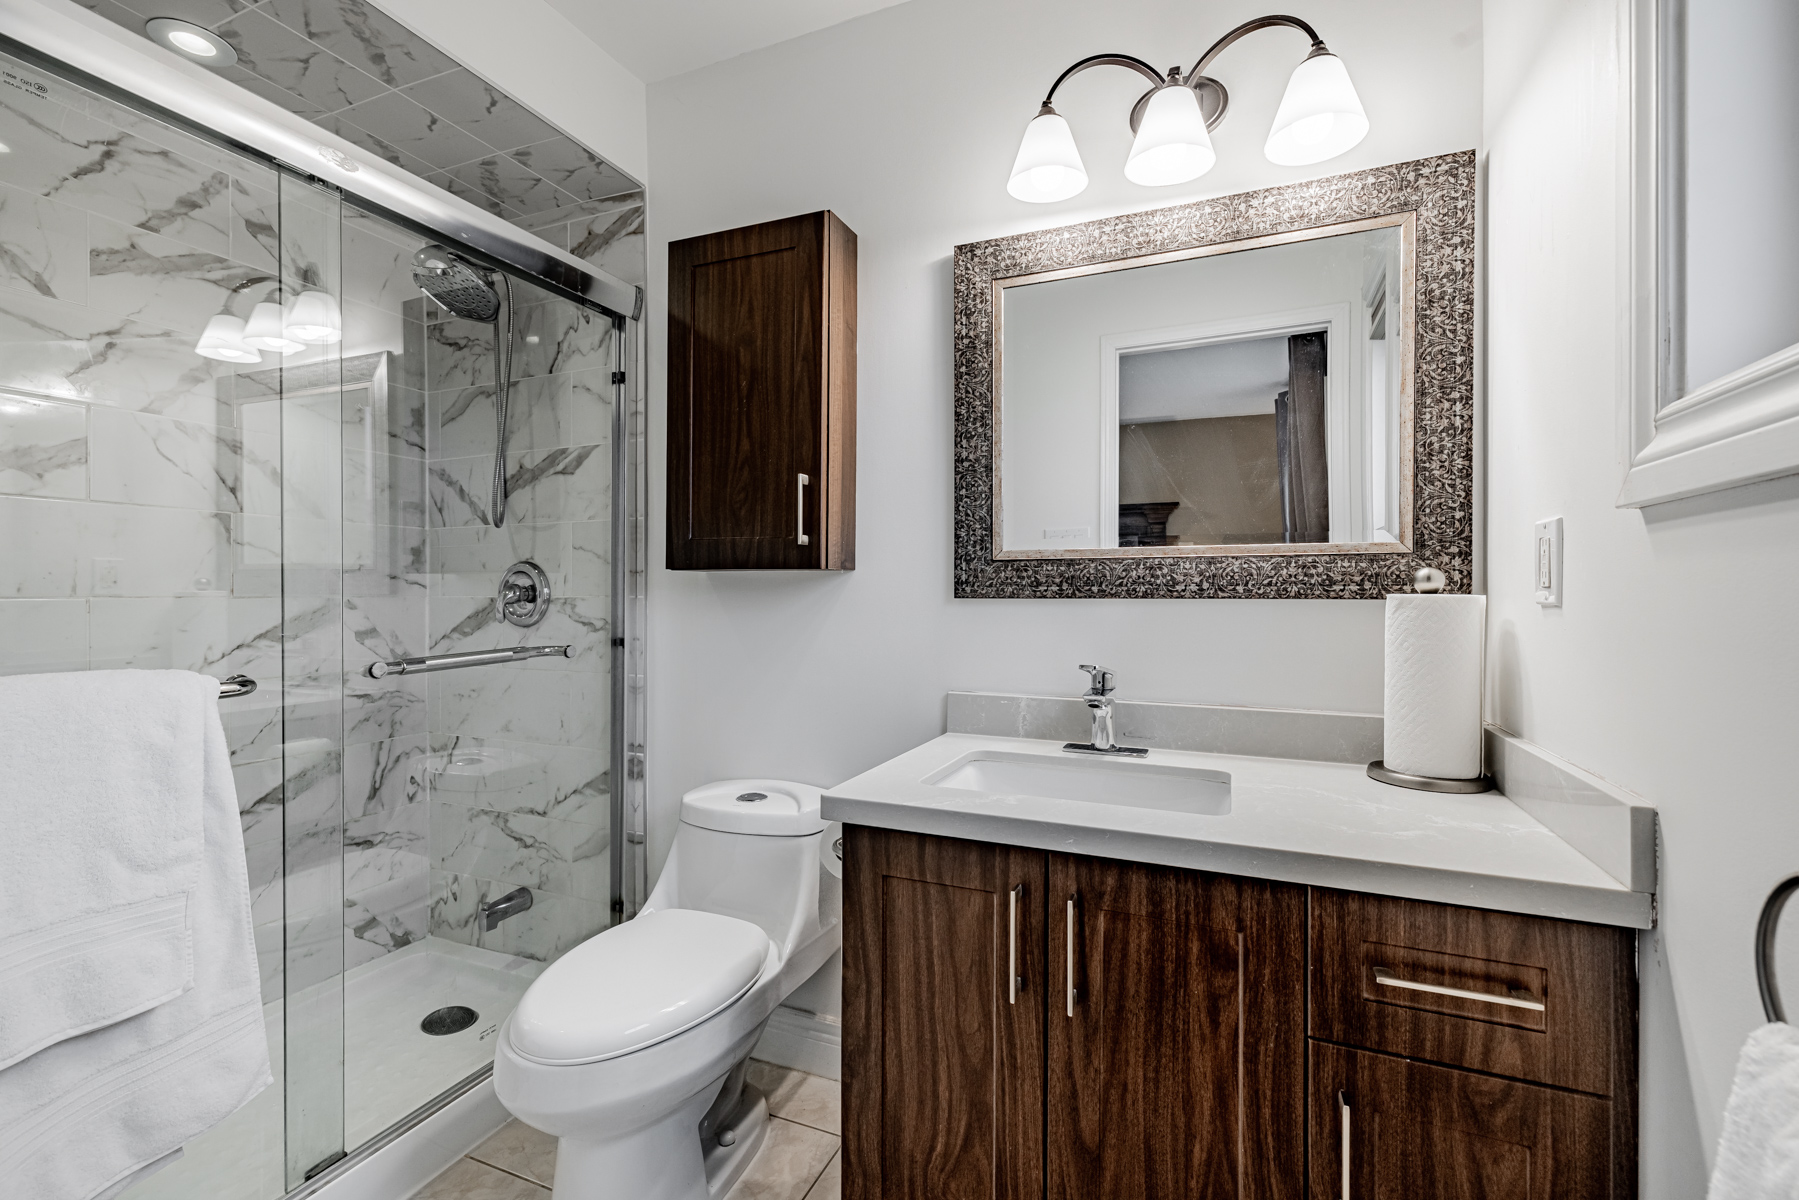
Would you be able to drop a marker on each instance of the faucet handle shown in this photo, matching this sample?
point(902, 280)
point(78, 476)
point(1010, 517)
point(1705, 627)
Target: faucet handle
point(1101, 680)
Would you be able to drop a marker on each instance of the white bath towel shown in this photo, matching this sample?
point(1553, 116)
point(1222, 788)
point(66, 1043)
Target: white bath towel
point(100, 784)
point(83, 1114)
point(1758, 1152)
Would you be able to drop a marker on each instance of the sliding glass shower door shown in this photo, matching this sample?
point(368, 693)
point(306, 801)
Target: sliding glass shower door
point(235, 438)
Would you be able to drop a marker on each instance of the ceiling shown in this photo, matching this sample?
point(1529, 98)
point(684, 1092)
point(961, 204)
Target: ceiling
point(1224, 379)
point(669, 37)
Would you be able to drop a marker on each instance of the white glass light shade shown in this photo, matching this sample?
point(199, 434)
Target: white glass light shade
point(223, 339)
point(1320, 116)
point(1172, 145)
point(1048, 167)
point(266, 330)
point(314, 319)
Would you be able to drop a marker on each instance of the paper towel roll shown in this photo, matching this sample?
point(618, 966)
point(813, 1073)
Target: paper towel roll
point(1435, 648)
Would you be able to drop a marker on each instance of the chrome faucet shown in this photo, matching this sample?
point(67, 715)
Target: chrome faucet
point(510, 905)
point(1098, 698)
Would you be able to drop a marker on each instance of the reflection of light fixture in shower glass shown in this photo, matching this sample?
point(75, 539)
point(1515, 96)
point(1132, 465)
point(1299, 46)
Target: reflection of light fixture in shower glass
point(223, 339)
point(314, 319)
point(266, 330)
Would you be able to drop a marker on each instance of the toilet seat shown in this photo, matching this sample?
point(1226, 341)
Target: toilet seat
point(637, 984)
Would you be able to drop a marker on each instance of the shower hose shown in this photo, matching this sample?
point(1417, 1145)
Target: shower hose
point(502, 372)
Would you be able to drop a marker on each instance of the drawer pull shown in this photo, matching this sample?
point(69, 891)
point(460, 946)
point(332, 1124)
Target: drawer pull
point(1343, 1106)
point(1070, 956)
point(800, 531)
point(1012, 948)
point(1518, 999)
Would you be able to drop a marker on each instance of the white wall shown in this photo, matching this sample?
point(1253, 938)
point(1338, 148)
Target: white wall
point(905, 123)
point(538, 57)
point(1671, 668)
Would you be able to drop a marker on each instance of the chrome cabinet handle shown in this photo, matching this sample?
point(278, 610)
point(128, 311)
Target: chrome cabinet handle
point(1343, 1109)
point(1070, 956)
point(800, 523)
point(1017, 981)
point(1518, 999)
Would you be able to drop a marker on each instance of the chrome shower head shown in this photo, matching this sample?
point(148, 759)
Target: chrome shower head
point(451, 282)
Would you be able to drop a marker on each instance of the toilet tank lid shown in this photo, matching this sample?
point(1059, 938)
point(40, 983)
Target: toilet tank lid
point(637, 984)
point(783, 809)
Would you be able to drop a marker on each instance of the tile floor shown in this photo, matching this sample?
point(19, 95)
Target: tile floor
point(799, 1160)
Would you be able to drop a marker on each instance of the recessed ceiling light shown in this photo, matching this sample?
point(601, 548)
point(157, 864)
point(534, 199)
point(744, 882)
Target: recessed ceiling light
point(191, 41)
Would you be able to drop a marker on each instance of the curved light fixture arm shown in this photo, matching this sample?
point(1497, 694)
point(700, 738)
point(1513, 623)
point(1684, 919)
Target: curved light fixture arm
point(1106, 60)
point(1275, 21)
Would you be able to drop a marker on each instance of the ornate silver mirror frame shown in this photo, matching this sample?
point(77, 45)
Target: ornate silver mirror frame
point(1436, 198)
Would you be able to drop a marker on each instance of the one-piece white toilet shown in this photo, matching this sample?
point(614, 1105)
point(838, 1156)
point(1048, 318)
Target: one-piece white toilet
point(632, 1047)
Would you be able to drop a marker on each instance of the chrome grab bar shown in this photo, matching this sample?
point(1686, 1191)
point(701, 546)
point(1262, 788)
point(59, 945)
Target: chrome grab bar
point(234, 686)
point(1518, 999)
point(470, 658)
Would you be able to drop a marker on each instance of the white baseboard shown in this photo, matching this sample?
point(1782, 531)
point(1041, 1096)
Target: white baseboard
point(802, 1040)
point(424, 1152)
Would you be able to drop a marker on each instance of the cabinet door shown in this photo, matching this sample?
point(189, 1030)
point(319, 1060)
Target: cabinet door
point(761, 449)
point(943, 999)
point(1386, 1128)
point(1176, 1044)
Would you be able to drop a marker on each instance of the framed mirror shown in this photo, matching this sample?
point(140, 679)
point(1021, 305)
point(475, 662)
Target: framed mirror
point(1261, 395)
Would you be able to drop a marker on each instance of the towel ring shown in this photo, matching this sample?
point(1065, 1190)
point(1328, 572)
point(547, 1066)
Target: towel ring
point(1765, 929)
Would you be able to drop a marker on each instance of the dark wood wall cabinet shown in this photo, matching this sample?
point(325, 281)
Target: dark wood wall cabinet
point(1022, 1025)
point(762, 397)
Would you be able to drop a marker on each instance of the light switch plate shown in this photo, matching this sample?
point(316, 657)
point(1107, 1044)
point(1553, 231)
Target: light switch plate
point(1546, 562)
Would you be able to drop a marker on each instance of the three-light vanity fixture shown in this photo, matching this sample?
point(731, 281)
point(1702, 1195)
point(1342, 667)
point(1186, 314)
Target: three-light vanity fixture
point(1320, 117)
point(310, 319)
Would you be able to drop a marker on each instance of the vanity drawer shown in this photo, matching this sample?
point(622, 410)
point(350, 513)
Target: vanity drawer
point(1526, 997)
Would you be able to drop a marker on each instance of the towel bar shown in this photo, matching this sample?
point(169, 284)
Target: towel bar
point(1765, 929)
point(470, 658)
point(234, 686)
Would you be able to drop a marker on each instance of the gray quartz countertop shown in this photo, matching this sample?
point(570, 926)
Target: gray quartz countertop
point(1298, 821)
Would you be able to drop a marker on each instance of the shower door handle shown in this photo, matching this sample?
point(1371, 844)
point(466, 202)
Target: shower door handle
point(800, 523)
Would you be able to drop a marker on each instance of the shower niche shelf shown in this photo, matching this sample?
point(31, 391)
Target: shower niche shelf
point(762, 397)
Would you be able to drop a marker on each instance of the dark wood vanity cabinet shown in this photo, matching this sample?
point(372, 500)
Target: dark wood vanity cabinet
point(762, 397)
point(1022, 1025)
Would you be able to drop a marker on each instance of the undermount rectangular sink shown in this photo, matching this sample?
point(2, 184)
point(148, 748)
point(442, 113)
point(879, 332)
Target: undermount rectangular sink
point(1094, 780)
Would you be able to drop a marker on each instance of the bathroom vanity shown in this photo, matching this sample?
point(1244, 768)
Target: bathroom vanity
point(1217, 973)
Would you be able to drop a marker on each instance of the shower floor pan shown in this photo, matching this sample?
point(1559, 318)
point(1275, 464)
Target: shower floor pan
point(391, 1066)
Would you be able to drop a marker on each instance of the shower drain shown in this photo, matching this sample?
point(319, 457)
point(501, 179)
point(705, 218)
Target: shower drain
point(453, 1019)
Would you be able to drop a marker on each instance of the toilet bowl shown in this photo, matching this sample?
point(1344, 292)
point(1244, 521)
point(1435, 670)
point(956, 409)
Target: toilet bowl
point(630, 1049)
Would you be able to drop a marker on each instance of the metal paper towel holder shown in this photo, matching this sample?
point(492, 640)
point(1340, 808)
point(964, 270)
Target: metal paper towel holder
point(1429, 579)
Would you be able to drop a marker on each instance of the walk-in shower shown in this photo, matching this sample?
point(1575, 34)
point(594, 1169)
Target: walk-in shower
point(312, 511)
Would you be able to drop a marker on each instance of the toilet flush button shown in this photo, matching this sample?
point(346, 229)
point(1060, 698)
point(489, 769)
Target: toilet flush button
point(751, 797)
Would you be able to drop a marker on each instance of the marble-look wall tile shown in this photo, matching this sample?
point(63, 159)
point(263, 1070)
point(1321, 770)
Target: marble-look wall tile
point(388, 420)
point(541, 853)
point(43, 635)
point(256, 224)
point(74, 159)
point(383, 489)
point(160, 281)
point(569, 783)
point(554, 925)
point(490, 115)
point(365, 37)
point(422, 136)
point(48, 549)
point(506, 179)
point(612, 241)
point(569, 338)
point(65, 350)
point(474, 623)
point(271, 51)
point(139, 459)
point(43, 447)
point(570, 483)
point(568, 708)
point(466, 560)
point(43, 246)
point(377, 262)
point(580, 174)
point(551, 410)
